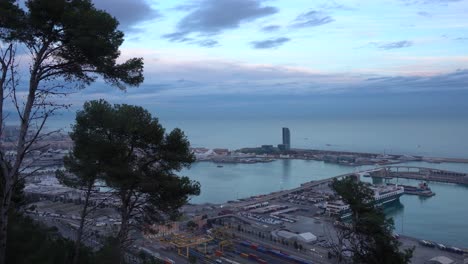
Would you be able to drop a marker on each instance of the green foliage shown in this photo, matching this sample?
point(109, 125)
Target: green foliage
point(109, 253)
point(30, 242)
point(70, 39)
point(131, 152)
point(371, 236)
point(11, 18)
point(17, 198)
point(71, 44)
point(135, 154)
point(82, 163)
point(192, 225)
point(192, 259)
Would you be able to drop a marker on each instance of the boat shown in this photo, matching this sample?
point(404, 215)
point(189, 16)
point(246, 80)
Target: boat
point(383, 194)
point(422, 190)
point(220, 166)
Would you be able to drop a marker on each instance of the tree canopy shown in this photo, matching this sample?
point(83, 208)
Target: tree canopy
point(137, 159)
point(70, 44)
point(370, 239)
point(70, 39)
point(31, 242)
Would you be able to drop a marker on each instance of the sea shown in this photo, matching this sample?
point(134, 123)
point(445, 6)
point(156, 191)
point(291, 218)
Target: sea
point(433, 137)
point(441, 218)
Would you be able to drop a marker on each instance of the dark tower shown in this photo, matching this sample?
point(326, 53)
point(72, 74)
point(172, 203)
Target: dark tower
point(286, 138)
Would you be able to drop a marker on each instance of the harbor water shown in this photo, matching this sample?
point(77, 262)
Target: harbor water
point(440, 218)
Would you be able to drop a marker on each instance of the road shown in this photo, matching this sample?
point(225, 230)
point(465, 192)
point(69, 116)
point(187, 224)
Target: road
point(278, 194)
point(306, 254)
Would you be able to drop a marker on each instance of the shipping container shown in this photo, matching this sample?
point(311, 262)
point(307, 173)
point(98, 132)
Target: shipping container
point(252, 256)
point(245, 243)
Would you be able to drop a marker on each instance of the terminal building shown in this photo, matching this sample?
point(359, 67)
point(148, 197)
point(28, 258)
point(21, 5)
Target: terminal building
point(286, 140)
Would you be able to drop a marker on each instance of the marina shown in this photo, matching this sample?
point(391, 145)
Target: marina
point(383, 195)
point(422, 190)
point(421, 173)
point(410, 213)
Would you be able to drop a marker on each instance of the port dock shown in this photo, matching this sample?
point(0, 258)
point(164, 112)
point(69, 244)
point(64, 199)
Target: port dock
point(420, 173)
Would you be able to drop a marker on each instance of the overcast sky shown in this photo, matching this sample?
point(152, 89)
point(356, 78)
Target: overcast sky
point(238, 53)
point(216, 47)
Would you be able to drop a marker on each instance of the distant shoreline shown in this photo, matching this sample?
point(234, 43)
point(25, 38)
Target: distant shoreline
point(268, 153)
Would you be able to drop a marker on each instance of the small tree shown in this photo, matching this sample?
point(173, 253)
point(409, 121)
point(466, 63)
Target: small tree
point(191, 225)
point(137, 160)
point(83, 165)
point(192, 259)
point(370, 238)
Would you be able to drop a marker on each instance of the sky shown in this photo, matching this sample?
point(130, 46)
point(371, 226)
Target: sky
point(214, 47)
point(217, 55)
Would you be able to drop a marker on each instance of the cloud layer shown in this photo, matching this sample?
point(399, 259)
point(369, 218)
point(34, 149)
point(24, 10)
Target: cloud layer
point(211, 17)
point(128, 12)
point(171, 77)
point(396, 45)
point(312, 18)
point(269, 43)
point(270, 28)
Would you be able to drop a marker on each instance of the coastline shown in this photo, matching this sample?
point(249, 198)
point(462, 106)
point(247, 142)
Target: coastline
point(267, 154)
point(279, 197)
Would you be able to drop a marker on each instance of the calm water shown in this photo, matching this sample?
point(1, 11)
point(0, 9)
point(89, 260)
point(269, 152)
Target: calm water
point(437, 137)
point(440, 218)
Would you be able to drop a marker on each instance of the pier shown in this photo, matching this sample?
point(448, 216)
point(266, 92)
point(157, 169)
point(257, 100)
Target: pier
point(416, 173)
point(421, 173)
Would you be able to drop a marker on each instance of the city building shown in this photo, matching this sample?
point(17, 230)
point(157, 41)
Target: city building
point(268, 148)
point(286, 140)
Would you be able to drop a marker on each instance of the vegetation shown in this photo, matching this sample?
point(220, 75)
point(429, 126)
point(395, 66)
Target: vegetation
point(153, 192)
point(137, 159)
point(192, 226)
point(32, 243)
point(82, 174)
point(70, 44)
point(192, 259)
point(370, 239)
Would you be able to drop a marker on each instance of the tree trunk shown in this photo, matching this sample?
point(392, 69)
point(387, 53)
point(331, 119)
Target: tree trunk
point(124, 227)
point(3, 238)
point(79, 232)
point(11, 176)
point(4, 208)
point(4, 202)
point(123, 235)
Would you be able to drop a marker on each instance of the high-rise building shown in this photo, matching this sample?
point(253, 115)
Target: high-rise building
point(286, 138)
